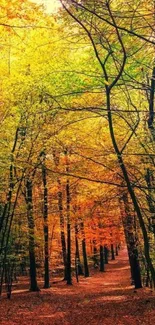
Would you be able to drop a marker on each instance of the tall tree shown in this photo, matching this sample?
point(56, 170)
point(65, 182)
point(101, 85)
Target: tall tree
point(30, 218)
point(45, 215)
point(112, 53)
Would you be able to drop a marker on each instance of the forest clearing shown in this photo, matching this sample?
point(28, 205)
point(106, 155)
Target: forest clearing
point(77, 162)
point(104, 298)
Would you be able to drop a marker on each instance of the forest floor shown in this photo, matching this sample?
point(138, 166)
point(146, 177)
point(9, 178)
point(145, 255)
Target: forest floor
point(104, 298)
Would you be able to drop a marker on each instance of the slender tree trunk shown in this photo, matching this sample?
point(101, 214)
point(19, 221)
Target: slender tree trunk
point(33, 278)
point(101, 258)
point(106, 254)
point(69, 275)
point(128, 223)
point(77, 253)
point(151, 197)
point(56, 157)
point(6, 210)
point(130, 189)
point(95, 254)
point(62, 231)
point(151, 104)
point(7, 236)
point(112, 252)
point(86, 269)
point(4, 220)
point(46, 232)
point(136, 269)
point(116, 250)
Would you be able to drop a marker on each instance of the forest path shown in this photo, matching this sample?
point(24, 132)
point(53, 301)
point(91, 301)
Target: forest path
point(104, 298)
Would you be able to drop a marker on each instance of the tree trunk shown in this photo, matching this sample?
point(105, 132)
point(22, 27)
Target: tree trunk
point(116, 250)
point(151, 198)
point(46, 232)
point(69, 275)
point(95, 254)
point(62, 231)
point(101, 259)
point(128, 224)
point(77, 253)
point(5, 214)
point(136, 269)
point(106, 254)
point(56, 157)
point(112, 252)
point(33, 278)
point(130, 189)
point(151, 104)
point(86, 269)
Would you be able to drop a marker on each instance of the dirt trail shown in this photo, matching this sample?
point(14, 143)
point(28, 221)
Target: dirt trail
point(104, 298)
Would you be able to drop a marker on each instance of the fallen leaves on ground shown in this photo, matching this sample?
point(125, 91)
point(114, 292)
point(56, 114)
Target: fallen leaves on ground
point(102, 299)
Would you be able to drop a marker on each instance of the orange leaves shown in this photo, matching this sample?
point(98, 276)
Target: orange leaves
point(19, 12)
point(12, 8)
point(10, 13)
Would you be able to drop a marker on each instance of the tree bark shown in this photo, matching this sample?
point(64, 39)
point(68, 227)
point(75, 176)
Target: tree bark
point(46, 232)
point(112, 252)
point(151, 103)
point(62, 231)
point(128, 224)
point(69, 275)
point(56, 157)
point(86, 269)
point(101, 259)
point(151, 197)
point(106, 254)
point(77, 253)
point(95, 254)
point(130, 189)
point(33, 278)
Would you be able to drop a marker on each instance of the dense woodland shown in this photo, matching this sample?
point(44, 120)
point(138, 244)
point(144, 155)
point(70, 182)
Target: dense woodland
point(77, 138)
